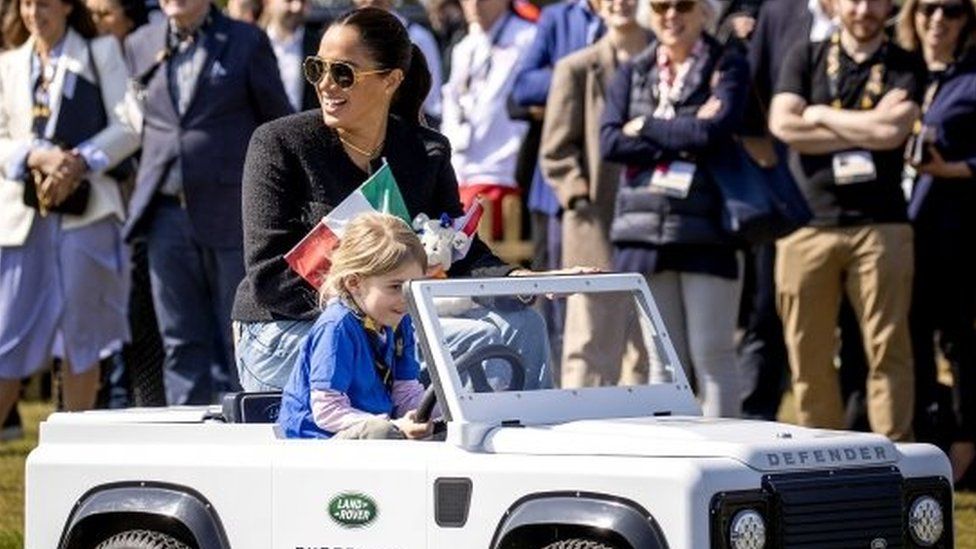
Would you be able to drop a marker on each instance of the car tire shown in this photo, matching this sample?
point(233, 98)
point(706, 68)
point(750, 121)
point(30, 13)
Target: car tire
point(142, 539)
point(578, 544)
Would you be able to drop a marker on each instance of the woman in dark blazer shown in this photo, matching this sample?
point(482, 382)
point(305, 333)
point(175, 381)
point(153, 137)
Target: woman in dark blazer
point(676, 104)
point(300, 167)
point(941, 208)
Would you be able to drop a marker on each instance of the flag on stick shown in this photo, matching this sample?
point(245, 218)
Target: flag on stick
point(311, 257)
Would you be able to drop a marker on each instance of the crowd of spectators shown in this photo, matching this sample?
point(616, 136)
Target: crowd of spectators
point(125, 153)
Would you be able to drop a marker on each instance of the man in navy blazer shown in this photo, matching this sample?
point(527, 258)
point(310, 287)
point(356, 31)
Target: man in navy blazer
point(563, 28)
point(209, 82)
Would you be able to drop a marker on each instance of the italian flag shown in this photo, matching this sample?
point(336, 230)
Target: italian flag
point(311, 257)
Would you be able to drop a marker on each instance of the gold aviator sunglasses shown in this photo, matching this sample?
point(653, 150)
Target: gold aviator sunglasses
point(343, 74)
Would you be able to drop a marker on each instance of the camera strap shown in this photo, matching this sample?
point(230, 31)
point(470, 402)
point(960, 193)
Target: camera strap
point(913, 151)
point(930, 92)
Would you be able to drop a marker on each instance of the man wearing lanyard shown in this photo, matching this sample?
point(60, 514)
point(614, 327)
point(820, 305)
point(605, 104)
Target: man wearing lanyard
point(485, 141)
point(762, 358)
point(845, 107)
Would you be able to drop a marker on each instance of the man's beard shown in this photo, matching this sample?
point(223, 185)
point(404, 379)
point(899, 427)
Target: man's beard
point(867, 29)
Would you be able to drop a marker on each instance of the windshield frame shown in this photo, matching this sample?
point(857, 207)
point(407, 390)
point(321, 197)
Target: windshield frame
point(550, 405)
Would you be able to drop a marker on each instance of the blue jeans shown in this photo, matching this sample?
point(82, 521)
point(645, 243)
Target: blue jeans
point(193, 288)
point(522, 330)
point(266, 352)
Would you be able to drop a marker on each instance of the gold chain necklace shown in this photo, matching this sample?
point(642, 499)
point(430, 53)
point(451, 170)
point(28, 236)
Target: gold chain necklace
point(369, 154)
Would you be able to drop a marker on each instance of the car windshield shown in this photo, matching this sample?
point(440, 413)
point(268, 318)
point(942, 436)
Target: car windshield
point(506, 338)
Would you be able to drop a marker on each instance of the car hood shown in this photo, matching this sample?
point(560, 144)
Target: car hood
point(762, 445)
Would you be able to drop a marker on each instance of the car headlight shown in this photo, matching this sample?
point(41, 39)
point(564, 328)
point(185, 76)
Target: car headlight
point(926, 521)
point(747, 530)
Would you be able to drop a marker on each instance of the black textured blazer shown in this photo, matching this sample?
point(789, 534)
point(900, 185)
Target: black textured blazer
point(296, 171)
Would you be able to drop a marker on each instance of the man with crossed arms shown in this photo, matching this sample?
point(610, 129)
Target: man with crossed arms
point(845, 106)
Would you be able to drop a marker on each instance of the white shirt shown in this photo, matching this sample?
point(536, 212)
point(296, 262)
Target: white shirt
point(483, 66)
point(289, 52)
point(822, 26)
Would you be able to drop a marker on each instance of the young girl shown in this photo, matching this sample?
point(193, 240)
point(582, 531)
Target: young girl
point(356, 375)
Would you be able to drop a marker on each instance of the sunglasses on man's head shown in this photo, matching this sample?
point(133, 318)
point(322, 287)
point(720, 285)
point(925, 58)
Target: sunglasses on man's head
point(342, 74)
point(949, 11)
point(681, 6)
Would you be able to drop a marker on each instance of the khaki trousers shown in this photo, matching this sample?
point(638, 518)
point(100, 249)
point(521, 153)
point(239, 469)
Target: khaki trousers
point(596, 351)
point(873, 264)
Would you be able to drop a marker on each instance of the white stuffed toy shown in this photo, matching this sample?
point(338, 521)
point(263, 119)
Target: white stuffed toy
point(447, 240)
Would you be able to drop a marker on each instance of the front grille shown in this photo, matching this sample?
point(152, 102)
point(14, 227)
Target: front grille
point(841, 508)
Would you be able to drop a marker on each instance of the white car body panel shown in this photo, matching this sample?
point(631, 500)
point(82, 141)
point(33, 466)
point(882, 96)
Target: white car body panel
point(646, 445)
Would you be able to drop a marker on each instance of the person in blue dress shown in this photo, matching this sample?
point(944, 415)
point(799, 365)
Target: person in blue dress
point(357, 371)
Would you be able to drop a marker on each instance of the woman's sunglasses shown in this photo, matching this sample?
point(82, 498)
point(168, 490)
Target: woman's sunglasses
point(681, 6)
point(949, 11)
point(342, 74)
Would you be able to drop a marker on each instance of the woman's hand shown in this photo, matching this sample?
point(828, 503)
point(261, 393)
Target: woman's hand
point(56, 162)
point(938, 167)
point(410, 428)
point(633, 127)
point(46, 159)
point(709, 109)
point(577, 270)
point(60, 183)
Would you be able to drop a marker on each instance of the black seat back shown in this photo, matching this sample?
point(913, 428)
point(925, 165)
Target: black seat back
point(252, 407)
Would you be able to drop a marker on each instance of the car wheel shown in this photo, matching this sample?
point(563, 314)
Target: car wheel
point(578, 544)
point(142, 539)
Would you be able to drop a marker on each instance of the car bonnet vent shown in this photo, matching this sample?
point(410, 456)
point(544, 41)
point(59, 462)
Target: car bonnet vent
point(452, 500)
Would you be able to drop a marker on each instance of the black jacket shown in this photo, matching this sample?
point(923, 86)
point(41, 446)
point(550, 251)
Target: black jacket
point(642, 217)
point(296, 172)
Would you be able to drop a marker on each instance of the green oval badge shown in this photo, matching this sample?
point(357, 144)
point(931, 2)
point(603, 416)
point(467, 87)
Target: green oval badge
point(352, 510)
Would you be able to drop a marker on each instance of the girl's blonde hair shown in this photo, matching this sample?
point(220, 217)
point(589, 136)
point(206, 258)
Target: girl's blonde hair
point(373, 244)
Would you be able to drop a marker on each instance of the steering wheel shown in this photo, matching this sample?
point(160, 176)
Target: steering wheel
point(472, 360)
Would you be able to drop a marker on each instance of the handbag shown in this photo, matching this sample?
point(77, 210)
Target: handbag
point(74, 204)
point(759, 205)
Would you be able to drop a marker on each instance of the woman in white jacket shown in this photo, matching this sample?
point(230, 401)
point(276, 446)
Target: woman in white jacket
point(63, 276)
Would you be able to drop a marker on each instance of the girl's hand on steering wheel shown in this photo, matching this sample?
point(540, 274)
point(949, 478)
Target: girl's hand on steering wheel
point(411, 428)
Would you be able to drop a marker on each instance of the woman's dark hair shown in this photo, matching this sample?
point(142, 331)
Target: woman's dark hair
point(81, 19)
point(135, 11)
point(15, 33)
point(388, 43)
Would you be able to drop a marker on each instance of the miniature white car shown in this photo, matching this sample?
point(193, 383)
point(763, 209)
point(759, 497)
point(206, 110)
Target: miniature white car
point(624, 466)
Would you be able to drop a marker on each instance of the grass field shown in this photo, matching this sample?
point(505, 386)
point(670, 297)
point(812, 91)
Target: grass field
point(13, 454)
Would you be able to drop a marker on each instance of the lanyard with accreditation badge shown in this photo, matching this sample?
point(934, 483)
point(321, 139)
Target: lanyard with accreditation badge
point(854, 166)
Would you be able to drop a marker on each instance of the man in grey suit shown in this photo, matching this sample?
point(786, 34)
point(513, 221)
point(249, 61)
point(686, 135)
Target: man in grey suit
point(209, 82)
